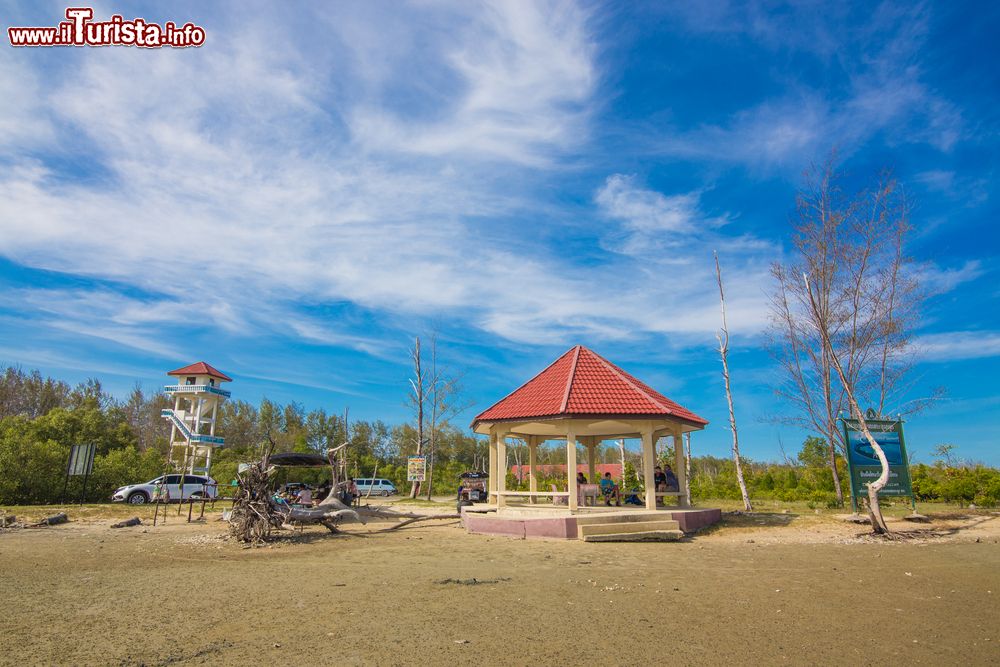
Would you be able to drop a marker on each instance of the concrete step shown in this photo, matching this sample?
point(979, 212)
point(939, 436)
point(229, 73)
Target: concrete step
point(621, 528)
point(643, 536)
point(624, 517)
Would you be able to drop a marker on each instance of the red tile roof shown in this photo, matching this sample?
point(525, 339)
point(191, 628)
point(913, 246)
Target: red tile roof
point(583, 383)
point(201, 368)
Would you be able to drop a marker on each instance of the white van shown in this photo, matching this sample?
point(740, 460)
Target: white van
point(378, 486)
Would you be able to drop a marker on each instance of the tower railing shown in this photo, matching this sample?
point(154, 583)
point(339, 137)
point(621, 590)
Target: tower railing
point(195, 389)
point(170, 415)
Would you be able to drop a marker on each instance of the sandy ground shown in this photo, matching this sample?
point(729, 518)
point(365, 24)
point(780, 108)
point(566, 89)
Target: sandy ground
point(765, 589)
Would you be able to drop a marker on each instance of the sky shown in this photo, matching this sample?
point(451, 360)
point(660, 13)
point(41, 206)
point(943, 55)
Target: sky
point(318, 183)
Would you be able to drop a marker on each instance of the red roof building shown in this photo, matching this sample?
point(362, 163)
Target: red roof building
point(581, 383)
point(582, 398)
point(201, 368)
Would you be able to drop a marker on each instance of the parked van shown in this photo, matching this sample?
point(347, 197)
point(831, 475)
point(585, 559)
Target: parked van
point(377, 486)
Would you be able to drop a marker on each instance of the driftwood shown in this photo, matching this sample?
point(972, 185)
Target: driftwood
point(256, 513)
point(53, 520)
point(421, 518)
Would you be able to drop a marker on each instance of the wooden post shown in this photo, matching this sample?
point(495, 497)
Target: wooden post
point(532, 463)
point(501, 468)
point(591, 463)
point(680, 469)
point(571, 469)
point(647, 467)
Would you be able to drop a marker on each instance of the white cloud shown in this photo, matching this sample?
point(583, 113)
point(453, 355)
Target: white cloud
point(525, 73)
point(643, 210)
point(236, 181)
point(381, 165)
point(874, 87)
point(940, 280)
point(957, 345)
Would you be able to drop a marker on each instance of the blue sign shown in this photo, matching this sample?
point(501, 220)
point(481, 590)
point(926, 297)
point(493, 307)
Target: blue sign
point(863, 463)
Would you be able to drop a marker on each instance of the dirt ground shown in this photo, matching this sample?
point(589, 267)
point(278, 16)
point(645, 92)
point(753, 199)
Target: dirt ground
point(769, 588)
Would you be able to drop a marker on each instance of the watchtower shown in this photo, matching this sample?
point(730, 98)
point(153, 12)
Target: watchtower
point(197, 397)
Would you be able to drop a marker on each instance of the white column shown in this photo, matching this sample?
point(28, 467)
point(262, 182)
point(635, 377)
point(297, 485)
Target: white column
point(492, 470)
point(501, 468)
point(647, 467)
point(571, 469)
point(196, 426)
point(679, 468)
point(591, 463)
point(215, 413)
point(532, 463)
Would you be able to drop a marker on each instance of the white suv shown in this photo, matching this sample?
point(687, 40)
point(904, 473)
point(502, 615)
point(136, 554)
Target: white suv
point(195, 486)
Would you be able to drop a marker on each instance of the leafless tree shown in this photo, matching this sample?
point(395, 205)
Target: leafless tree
point(418, 400)
point(723, 337)
point(861, 292)
point(443, 394)
point(621, 454)
point(874, 510)
point(687, 467)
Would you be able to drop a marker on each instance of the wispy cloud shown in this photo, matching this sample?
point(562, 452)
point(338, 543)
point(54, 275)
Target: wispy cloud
point(958, 345)
point(875, 86)
point(646, 211)
point(941, 280)
point(241, 182)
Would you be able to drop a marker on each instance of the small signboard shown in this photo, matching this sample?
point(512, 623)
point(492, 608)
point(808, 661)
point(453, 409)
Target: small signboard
point(863, 463)
point(81, 460)
point(416, 469)
point(80, 464)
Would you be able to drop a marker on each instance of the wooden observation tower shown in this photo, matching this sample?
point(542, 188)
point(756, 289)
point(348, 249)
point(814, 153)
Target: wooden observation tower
point(197, 397)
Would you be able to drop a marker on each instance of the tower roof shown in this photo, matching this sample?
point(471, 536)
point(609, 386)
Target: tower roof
point(581, 383)
point(201, 368)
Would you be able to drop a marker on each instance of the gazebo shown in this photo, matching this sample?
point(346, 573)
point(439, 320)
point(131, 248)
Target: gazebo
point(583, 398)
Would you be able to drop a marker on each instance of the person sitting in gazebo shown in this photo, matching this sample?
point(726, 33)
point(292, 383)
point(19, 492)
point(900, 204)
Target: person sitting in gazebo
point(581, 478)
point(671, 479)
point(610, 490)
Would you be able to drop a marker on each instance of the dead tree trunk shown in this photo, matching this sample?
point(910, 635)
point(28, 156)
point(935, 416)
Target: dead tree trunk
point(419, 390)
point(723, 338)
point(874, 511)
point(687, 467)
point(621, 454)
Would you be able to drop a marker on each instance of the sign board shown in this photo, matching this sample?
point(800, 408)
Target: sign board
point(863, 463)
point(80, 464)
point(81, 460)
point(416, 469)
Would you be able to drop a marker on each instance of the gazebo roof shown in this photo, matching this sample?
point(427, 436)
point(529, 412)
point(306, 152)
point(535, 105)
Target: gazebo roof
point(201, 368)
point(581, 383)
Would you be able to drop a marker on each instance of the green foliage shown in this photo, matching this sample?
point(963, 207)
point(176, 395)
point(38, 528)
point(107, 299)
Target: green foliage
point(815, 453)
point(961, 484)
point(630, 478)
point(41, 418)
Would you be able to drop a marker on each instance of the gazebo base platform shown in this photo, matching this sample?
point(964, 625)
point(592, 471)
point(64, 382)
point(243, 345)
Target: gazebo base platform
point(590, 524)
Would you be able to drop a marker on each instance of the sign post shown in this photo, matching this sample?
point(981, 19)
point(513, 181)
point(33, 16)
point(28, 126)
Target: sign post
point(416, 468)
point(864, 465)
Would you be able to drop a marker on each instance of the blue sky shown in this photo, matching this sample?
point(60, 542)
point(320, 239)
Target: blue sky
point(319, 182)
